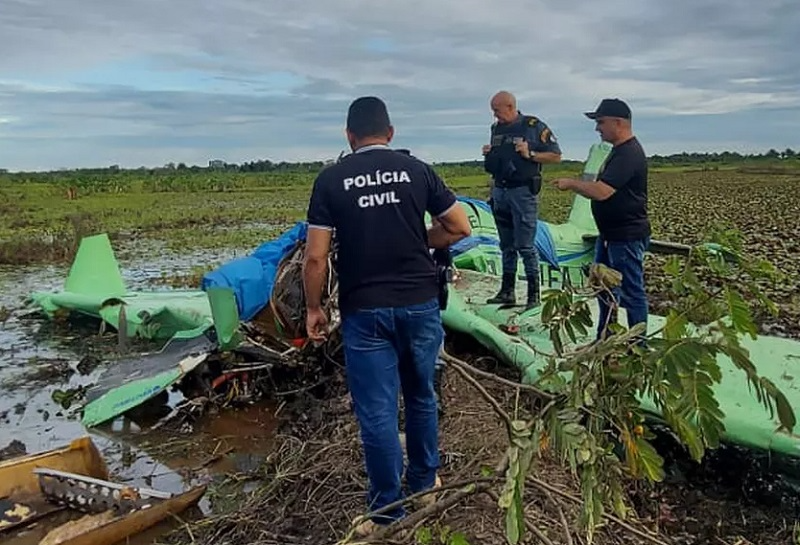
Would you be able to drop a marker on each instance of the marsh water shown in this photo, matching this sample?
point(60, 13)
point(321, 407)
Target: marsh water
point(39, 356)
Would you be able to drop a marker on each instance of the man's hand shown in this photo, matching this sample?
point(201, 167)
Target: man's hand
point(522, 148)
point(486, 149)
point(563, 184)
point(316, 325)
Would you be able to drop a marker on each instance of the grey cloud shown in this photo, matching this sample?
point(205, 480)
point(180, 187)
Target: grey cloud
point(672, 58)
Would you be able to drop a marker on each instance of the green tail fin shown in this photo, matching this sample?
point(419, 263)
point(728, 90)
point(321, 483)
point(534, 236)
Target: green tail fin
point(95, 270)
point(225, 315)
point(580, 214)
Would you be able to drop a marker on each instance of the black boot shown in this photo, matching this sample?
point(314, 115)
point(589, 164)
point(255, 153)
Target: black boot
point(533, 293)
point(506, 294)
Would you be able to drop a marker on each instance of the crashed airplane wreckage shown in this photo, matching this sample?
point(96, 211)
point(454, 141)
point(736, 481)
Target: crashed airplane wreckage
point(260, 297)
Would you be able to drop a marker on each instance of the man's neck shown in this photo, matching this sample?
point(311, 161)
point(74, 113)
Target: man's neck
point(516, 119)
point(622, 139)
point(370, 143)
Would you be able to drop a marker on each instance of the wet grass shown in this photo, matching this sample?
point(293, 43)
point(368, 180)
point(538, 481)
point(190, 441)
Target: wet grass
point(42, 221)
point(43, 227)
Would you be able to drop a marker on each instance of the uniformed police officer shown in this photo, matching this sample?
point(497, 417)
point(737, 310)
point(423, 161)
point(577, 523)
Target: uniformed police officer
point(375, 200)
point(520, 144)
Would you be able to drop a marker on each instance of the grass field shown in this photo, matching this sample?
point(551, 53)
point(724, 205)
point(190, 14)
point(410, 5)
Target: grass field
point(42, 218)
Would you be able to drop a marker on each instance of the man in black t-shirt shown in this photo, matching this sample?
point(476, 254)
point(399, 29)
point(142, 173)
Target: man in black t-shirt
point(619, 206)
point(375, 201)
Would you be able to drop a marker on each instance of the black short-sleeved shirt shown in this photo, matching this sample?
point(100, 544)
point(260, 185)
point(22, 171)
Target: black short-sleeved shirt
point(375, 200)
point(623, 216)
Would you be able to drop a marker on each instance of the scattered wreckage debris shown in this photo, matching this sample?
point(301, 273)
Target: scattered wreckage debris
point(211, 356)
point(246, 285)
point(312, 485)
point(12, 450)
point(37, 490)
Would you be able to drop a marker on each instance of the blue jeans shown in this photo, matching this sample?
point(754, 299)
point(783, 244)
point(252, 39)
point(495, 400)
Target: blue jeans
point(627, 257)
point(387, 349)
point(516, 215)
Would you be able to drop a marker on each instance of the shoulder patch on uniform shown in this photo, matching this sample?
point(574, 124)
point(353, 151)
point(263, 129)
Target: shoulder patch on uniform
point(532, 121)
point(547, 136)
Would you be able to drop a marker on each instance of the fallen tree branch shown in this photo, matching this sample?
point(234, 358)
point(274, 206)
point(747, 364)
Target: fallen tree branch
point(491, 376)
point(566, 495)
point(433, 509)
point(562, 517)
point(459, 366)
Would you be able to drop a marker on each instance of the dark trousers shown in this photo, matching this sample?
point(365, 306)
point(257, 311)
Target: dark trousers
point(516, 215)
point(626, 257)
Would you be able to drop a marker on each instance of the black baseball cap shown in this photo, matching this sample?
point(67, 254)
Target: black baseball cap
point(610, 107)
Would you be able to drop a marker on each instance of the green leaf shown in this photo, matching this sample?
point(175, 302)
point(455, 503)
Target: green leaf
point(688, 434)
point(457, 538)
point(424, 536)
point(556, 340)
point(573, 429)
point(682, 355)
point(739, 313)
point(518, 426)
point(515, 521)
point(652, 462)
point(584, 455)
point(786, 414)
point(673, 266)
point(675, 328)
point(570, 331)
point(741, 358)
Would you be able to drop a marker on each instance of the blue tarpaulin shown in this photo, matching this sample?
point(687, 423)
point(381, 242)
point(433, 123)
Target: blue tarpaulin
point(543, 240)
point(251, 278)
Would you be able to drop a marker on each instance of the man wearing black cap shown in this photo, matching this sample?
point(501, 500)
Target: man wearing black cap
point(619, 206)
point(375, 200)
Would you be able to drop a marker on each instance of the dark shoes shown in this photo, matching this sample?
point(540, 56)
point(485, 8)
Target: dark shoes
point(507, 297)
point(506, 294)
point(533, 296)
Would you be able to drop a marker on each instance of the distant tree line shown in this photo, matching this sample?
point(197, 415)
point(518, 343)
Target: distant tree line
point(725, 157)
point(265, 165)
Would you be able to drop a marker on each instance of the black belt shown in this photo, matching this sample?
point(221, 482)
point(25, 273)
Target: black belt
point(505, 184)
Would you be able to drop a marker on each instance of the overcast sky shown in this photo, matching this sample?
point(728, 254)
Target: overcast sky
point(146, 82)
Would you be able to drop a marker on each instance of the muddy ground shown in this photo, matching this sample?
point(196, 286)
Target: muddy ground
point(313, 484)
point(39, 358)
point(289, 469)
point(245, 453)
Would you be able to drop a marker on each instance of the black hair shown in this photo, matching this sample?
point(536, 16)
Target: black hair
point(367, 116)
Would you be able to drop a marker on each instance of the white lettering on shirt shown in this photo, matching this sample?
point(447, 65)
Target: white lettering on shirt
point(377, 199)
point(376, 179)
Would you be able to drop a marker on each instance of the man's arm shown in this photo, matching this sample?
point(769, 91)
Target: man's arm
point(546, 157)
point(449, 221)
point(315, 266)
point(617, 172)
point(544, 146)
point(490, 154)
point(597, 191)
point(318, 244)
point(449, 228)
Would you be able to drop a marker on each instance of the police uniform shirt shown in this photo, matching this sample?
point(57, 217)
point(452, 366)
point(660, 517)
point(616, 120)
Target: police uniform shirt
point(534, 131)
point(623, 216)
point(375, 200)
